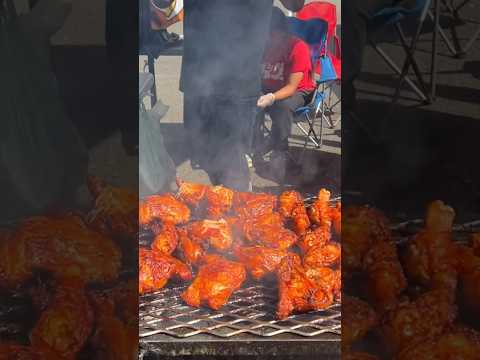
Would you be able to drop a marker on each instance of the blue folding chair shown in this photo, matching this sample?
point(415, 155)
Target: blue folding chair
point(314, 33)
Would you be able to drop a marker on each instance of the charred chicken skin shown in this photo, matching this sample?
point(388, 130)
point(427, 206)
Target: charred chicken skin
point(64, 327)
point(115, 210)
point(191, 251)
point(350, 355)
point(320, 256)
point(412, 323)
point(361, 228)
point(320, 212)
point(259, 261)
point(166, 239)
point(155, 269)
point(297, 292)
point(430, 259)
point(62, 245)
point(301, 221)
point(163, 207)
point(385, 279)
point(191, 194)
point(358, 318)
point(217, 279)
point(216, 233)
point(288, 201)
point(336, 216)
point(457, 342)
point(468, 266)
point(268, 230)
point(10, 351)
point(247, 205)
point(314, 238)
point(219, 201)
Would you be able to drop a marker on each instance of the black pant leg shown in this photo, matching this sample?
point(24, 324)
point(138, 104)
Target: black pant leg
point(281, 113)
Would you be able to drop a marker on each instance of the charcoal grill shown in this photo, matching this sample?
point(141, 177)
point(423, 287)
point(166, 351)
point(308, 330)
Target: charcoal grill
point(247, 325)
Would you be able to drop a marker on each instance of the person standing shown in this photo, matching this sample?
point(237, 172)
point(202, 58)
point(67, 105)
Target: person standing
point(224, 41)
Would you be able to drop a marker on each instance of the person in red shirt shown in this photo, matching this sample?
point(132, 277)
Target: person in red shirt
point(287, 82)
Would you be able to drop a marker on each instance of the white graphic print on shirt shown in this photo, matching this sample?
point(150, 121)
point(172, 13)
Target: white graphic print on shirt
point(273, 71)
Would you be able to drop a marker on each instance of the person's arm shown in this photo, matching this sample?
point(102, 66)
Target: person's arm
point(290, 88)
point(293, 5)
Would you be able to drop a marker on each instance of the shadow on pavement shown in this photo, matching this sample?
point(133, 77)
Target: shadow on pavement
point(426, 155)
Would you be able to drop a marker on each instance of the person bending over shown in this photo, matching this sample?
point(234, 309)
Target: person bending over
point(287, 82)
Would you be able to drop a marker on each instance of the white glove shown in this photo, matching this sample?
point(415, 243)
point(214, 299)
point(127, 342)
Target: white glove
point(266, 100)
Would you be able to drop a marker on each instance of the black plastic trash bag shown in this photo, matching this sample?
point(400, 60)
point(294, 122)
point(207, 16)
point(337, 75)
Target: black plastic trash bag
point(42, 157)
point(156, 168)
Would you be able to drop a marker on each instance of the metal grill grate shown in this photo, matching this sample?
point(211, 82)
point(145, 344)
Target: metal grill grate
point(250, 310)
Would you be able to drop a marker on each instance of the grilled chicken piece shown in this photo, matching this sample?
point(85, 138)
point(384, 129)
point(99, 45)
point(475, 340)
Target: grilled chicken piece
point(249, 226)
point(155, 269)
point(219, 201)
point(320, 212)
point(64, 327)
point(361, 228)
point(385, 278)
point(191, 194)
point(260, 261)
point(476, 244)
point(115, 337)
point(166, 238)
point(320, 256)
point(468, 267)
point(217, 233)
point(163, 207)
point(358, 318)
point(297, 292)
point(412, 323)
point(217, 279)
point(274, 237)
point(268, 230)
point(11, 351)
point(247, 204)
point(430, 259)
point(113, 340)
point(115, 210)
point(314, 238)
point(288, 201)
point(326, 278)
point(61, 245)
point(458, 342)
point(336, 216)
point(358, 356)
point(301, 221)
point(192, 251)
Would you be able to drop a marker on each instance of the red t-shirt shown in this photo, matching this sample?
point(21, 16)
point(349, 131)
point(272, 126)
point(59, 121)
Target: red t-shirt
point(278, 65)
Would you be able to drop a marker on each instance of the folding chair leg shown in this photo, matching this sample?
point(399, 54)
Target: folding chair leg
point(410, 61)
point(472, 41)
point(398, 71)
point(450, 46)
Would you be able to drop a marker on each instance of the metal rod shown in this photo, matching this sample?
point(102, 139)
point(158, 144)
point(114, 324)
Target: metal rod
point(395, 68)
point(433, 87)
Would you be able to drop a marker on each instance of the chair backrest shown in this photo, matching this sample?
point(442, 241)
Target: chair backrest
point(321, 10)
point(313, 32)
point(393, 14)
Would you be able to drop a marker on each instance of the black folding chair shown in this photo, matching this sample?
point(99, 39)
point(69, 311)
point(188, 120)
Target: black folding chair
point(394, 16)
point(454, 8)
